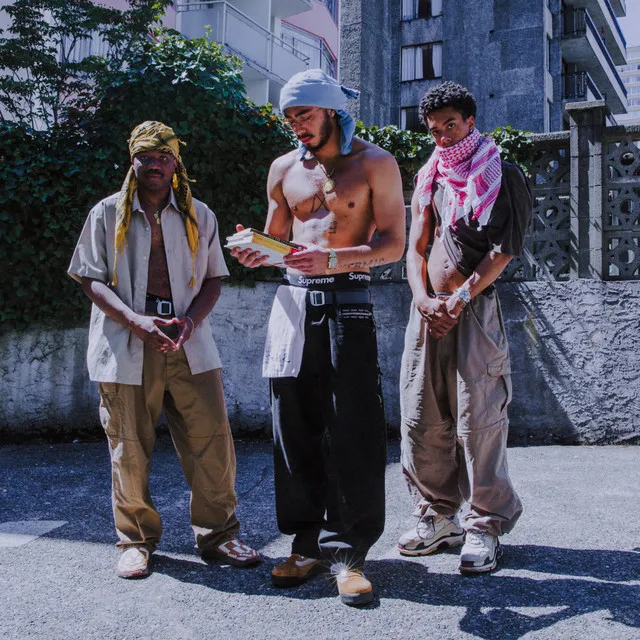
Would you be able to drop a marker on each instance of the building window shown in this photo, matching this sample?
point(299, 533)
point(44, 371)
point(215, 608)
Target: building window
point(412, 9)
point(423, 62)
point(76, 50)
point(332, 5)
point(410, 121)
point(634, 102)
point(549, 54)
point(633, 90)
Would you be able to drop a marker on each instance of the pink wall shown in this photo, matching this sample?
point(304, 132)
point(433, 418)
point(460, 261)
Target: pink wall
point(318, 22)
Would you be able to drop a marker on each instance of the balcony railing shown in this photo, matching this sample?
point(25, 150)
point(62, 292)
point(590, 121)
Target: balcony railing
point(578, 22)
point(318, 52)
point(580, 86)
point(242, 36)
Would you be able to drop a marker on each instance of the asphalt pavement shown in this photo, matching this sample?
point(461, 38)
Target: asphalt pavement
point(571, 567)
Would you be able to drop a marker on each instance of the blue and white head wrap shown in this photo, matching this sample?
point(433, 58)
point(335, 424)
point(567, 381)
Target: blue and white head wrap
point(314, 88)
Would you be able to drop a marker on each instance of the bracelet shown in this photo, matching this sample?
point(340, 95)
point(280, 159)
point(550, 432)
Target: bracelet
point(193, 324)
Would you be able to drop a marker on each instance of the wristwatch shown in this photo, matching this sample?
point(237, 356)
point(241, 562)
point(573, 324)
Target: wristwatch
point(463, 295)
point(332, 262)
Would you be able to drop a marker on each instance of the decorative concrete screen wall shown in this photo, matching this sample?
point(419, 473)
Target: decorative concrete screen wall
point(571, 306)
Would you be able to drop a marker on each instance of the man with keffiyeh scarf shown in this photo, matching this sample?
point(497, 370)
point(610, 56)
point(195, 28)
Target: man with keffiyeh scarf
point(149, 258)
point(472, 209)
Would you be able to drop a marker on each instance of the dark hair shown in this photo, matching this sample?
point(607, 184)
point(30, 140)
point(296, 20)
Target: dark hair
point(447, 94)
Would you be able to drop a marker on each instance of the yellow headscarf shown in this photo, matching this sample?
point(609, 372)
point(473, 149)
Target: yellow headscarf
point(155, 136)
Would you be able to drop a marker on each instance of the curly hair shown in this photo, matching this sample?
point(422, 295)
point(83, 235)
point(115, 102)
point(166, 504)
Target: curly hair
point(447, 94)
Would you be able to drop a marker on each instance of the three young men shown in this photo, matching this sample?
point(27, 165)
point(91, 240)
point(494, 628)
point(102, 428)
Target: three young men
point(148, 349)
point(455, 383)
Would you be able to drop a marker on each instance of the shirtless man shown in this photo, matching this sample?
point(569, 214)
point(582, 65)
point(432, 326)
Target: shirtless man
point(455, 381)
point(330, 195)
point(151, 348)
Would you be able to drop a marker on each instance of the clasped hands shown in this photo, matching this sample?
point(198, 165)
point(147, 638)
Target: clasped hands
point(440, 314)
point(147, 328)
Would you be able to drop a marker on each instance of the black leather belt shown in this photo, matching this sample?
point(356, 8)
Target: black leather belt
point(318, 298)
point(162, 307)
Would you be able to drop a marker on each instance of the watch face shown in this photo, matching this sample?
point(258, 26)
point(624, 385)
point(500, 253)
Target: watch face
point(464, 295)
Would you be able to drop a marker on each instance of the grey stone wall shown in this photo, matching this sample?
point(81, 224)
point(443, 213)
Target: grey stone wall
point(369, 50)
point(574, 346)
point(496, 48)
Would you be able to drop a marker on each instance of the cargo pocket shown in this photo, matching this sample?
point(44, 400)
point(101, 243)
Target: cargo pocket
point(110, 407)
point(498, 390)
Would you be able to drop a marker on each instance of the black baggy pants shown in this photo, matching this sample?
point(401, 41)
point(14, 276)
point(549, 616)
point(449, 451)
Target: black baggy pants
point(330, 438)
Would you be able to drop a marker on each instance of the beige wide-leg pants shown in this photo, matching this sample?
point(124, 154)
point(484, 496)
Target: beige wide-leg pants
point(454, 393)
point(197, 417)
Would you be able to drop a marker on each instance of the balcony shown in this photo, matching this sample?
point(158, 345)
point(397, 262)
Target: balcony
point(580, 87)
point(606, 23)
point(620, 7)
point(260, 49)
point(583, 46)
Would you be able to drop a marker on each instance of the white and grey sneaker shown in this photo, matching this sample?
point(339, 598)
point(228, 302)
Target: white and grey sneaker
point(480, 553)
point(430, 534)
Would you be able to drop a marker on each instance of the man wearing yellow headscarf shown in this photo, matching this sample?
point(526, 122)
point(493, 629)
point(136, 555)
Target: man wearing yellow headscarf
point(149, 258)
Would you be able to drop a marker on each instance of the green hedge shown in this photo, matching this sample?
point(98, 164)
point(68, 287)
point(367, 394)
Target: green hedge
point(49, 180)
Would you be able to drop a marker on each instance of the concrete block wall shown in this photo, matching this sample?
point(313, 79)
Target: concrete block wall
point(574, 346)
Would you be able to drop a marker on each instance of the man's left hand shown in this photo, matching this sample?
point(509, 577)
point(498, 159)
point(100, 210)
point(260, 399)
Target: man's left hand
point(187, 326)
point(313, 260)
point(454, 306)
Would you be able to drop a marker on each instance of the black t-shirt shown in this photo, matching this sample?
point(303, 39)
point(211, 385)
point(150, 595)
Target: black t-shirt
point(504, 231)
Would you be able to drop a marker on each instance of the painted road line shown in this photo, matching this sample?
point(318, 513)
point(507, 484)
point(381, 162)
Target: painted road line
point(21, 532)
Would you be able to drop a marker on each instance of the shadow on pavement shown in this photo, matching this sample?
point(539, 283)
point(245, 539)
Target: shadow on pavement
point(489, 600)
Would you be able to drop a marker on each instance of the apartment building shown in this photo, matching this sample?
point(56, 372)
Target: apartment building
point(523, 59)
point(274, 38)
point(630, 74)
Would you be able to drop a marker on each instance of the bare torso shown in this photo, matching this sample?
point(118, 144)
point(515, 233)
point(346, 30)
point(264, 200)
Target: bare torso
point(443, 276)
point(158, 283)
point(341, 218)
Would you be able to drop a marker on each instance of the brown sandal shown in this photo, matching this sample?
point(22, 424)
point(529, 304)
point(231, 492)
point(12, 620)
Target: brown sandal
point(234, 552)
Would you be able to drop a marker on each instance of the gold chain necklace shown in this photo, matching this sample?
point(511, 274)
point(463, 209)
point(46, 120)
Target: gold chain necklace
point(329, 183)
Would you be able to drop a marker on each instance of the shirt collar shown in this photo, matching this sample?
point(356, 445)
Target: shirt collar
point(135, 205)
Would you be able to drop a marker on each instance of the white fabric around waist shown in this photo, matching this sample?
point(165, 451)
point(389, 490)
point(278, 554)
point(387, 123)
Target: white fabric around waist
point(285, 333)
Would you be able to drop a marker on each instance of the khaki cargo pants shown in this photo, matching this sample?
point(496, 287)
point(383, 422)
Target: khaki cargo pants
point(454, 394)
point(197, 417)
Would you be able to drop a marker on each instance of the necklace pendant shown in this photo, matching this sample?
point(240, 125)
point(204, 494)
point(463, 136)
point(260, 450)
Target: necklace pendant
point(329, 185)
point(156, 215)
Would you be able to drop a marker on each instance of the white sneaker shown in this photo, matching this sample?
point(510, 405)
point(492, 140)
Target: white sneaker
point(480, 553)
point(430, 534)
point(134, 563)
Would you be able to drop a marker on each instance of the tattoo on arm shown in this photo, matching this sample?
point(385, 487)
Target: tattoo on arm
point(333, 227)
point(366, 263)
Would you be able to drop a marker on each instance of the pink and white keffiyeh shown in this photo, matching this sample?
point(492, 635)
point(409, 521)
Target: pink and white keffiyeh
point(471, 173)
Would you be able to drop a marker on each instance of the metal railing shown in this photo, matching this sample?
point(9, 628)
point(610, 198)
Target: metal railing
point(243, 36)
point(578, 85)
point(319, 54)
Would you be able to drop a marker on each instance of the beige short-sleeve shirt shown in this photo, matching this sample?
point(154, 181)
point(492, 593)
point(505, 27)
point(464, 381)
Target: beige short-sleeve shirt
point(115, 354)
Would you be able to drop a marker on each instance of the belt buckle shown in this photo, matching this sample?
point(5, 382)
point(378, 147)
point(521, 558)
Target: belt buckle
point(317, 298)
point(164, 308)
